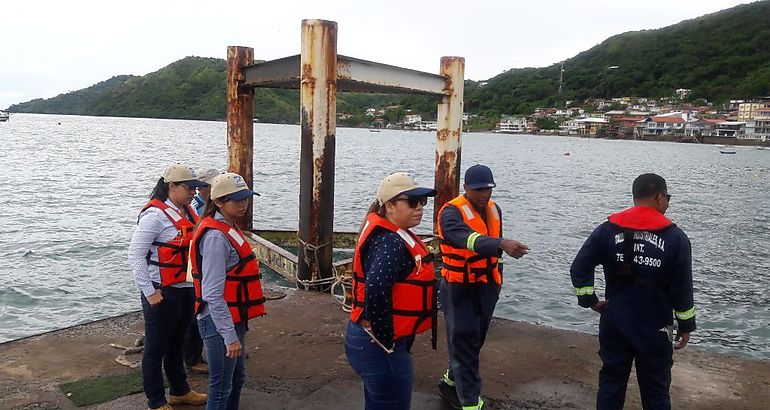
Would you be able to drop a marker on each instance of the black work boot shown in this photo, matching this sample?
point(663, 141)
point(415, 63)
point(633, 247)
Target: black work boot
point(448, 392)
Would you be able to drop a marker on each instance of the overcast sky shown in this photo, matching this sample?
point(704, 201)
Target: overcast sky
point(53, 47)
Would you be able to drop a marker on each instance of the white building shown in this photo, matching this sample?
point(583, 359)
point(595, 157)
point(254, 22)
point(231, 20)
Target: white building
point(412, 119)
point(683, 93)
point(512, 126)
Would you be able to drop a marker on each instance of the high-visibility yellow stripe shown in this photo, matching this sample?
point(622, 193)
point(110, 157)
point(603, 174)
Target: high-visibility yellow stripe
point(687, 314)
point(477, 406)
point(471, 243)
point(447, 379)
point(585, 290)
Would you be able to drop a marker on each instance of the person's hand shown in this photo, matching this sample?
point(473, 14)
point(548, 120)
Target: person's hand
point(234, 349)
point(682, 338)
point(599, 306)
point(513, 248)
point(155, 299)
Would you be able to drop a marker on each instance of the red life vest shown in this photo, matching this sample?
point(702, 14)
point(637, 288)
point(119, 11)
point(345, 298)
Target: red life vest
point(463, 265)
point(414, 296)
point(243, 288)
point(172, 255)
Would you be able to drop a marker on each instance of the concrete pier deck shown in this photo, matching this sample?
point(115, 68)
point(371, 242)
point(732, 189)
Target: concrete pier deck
point(297, 361)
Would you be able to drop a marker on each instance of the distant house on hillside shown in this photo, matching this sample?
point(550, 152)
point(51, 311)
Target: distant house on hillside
point(627, 125)
point(512, 125)
point(602, 104)
point(412, 119)
point(615, 114)
point(703, 127)
point(683, 93)
point(759, 126)
point(662, 125)
point(588, 126)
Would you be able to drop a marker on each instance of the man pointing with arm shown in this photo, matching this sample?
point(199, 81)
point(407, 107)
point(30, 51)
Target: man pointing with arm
point(472, 243)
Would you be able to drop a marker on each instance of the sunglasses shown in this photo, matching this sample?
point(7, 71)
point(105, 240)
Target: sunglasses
point(185, 186)
point(668, 197)
point(413, 201)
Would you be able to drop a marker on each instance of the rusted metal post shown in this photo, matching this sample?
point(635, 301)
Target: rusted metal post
point(240, 122)
point(449, 129)
point(318, 110)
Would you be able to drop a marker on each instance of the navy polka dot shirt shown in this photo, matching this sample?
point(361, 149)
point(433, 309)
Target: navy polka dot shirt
point(385, 259)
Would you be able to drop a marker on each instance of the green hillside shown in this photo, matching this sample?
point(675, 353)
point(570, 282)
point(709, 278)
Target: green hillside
point(719, 56)
point(191, 88)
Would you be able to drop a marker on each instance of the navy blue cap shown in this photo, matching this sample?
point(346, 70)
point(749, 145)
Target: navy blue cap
point(241, 195)
point(479, 177)
point(193, 183)
point(420, 192)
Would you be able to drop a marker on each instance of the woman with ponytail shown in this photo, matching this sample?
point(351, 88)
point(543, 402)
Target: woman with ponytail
point(158, 257)
point(228, 290)
point(393, 297)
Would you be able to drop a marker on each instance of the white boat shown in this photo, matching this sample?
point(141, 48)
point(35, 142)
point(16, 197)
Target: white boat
point(761, 148)
point(4, 116)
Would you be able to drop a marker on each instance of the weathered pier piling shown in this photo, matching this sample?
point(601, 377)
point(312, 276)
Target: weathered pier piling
point(320, 73)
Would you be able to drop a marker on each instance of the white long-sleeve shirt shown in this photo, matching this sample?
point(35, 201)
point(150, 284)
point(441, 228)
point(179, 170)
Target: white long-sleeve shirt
point(153, 226)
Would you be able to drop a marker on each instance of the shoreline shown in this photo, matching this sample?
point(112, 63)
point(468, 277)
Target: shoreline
point(707, 140)
point(298, 361)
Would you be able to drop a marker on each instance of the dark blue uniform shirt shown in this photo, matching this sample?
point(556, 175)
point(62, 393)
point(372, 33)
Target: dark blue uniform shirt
point(646, 278)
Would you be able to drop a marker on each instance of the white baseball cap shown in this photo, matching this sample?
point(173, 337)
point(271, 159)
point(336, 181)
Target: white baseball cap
point(231, 186)
point(182, 174)
point(400, 183)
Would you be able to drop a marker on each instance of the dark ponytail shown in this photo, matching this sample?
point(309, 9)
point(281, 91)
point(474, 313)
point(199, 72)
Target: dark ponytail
point(160, 191)
point(210, 209)
point(373, 208)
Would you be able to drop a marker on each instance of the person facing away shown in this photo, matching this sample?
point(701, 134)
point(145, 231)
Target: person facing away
point(206, 175)
point(228, 289)
point(471, 232)
point(647, 266)
point(393, 296)
point(158, 258)
point(193, 347)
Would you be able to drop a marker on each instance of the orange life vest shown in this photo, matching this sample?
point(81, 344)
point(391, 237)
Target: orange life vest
point(243, 288)
point(414, 296)
point(172, 255)
point(462, 264)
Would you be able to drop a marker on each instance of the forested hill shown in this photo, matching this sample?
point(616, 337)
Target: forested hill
point(719, 56)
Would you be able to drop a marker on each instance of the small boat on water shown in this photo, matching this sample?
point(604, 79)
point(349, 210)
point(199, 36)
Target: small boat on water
point(761, 148)
point(4, 116)
point(727, 151)
point(373, 130)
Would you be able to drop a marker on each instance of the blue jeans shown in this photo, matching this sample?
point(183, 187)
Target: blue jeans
point(165, 326)
point(226, 375)
point(387, 378)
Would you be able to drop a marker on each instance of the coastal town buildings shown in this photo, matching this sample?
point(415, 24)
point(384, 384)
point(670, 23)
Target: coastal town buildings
point(620, 117)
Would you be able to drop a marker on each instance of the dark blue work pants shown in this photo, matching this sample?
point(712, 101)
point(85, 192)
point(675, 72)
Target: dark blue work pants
point(653, 358)
point(468, 312)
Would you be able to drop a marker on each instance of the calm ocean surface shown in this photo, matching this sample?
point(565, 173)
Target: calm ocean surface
point(71, 192)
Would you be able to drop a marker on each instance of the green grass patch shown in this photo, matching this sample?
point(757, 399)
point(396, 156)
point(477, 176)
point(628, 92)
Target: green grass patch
point(103, 388)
